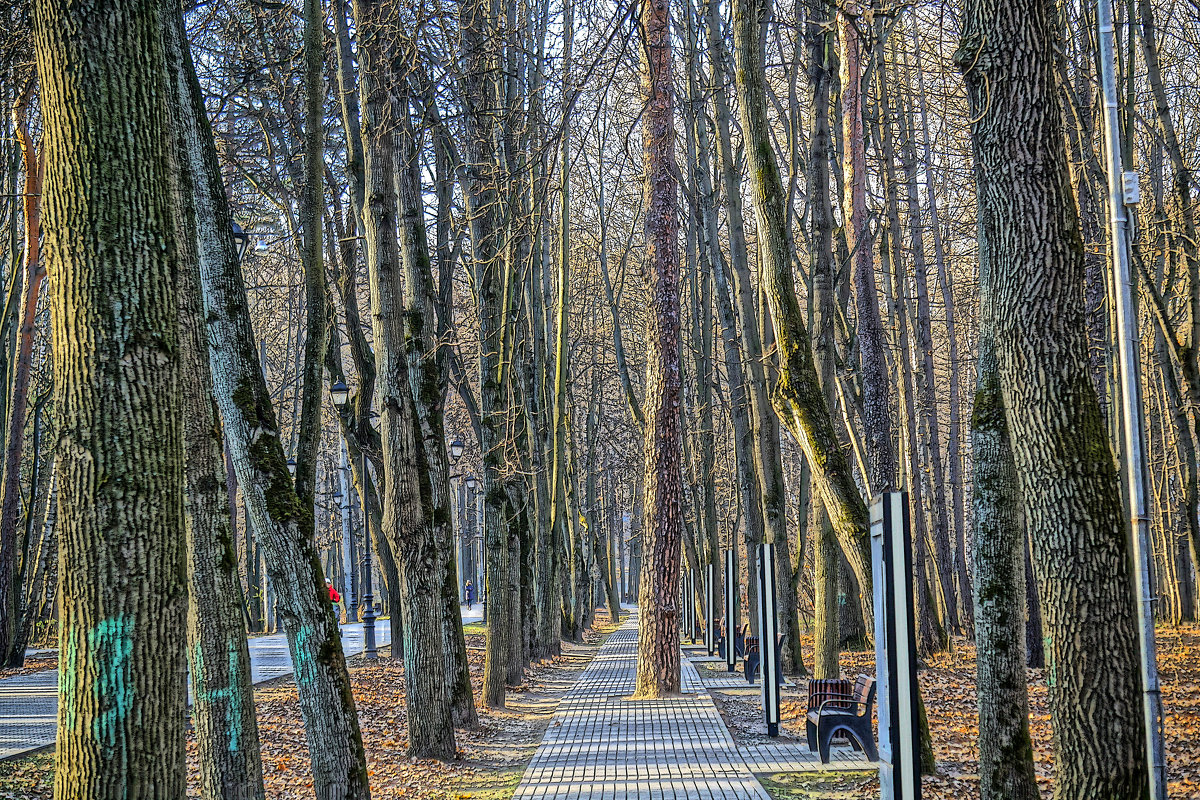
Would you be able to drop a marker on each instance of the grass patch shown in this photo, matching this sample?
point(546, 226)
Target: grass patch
point(820, 785)
point(29, 777)
point(475, 627)
point(497, 784)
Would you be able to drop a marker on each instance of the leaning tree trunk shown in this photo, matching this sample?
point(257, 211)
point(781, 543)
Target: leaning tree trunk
point(797, 396)
point(283, 525)
point(1066, 472)
point(218, 655)
point(111, 255)
point(658, 626)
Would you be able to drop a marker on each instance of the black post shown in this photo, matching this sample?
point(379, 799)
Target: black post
point(368, 596)
point(895, 649)
point(731, 617)
point(710, 626)
point(767, 638)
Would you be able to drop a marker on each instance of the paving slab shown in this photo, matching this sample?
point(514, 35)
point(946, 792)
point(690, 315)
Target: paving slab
point(29, 703)
point(602, 746)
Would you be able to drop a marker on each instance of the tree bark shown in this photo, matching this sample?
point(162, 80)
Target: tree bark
point(1066, 472)
point(658, 626)
point(1005, 750)
point(797, 396)
point(283, 526)
point(222, 693)
point(111, 252)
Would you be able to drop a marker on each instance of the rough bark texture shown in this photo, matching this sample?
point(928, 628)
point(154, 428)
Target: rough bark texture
point(1005, 750)
point(407, 494)
point(658, 626)
point(484, 213)
point(218, 655)
point(797, 396)
point(112, 258)
point(881, 456)
point(1065, 467)
point(283, 526)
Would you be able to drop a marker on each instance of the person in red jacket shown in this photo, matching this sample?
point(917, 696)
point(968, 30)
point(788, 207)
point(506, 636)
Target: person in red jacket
point(334, 597)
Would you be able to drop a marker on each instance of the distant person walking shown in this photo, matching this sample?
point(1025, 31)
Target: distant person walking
point(469, 594)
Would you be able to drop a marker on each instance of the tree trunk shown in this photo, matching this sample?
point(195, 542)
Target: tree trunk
point(881, 457)
point(283, 526)
point(34, 272)
point(798, 398)
point(111, 251)
point(1006, 753)
point(1066, 472)
point(407, 492)
point(658, 626)
point(219, 658)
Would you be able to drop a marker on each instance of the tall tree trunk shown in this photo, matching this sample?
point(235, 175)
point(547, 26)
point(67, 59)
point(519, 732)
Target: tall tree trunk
point(1065, 467)
point(408, 522)
point(798, 397)
point(218, 655)
point(1005, 750)
point(111, 252)
point(658, 626)
point(34, 272)
point(881, 457)
point(283, 525)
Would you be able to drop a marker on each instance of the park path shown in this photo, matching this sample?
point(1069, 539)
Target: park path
point(29, 703)
point(600, 746)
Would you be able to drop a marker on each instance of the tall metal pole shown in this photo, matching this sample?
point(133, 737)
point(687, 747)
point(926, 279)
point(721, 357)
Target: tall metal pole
point(368, 595)
point(347, 549)
point(1122, 192)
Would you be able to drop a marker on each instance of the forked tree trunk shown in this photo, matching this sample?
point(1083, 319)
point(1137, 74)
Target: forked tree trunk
point(407, 492)
point(658, 626)
point(111, 253)
point(1065, 467)
point(218, 655)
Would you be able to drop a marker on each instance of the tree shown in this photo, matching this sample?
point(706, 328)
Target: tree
point(658, 625)
point(111, 252)
point(1066, 472)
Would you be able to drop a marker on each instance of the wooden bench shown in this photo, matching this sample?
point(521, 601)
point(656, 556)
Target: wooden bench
point(834, 707)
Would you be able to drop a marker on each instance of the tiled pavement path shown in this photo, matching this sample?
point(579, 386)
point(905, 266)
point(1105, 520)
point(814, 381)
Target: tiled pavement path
point(28, 703)
point(602, 746)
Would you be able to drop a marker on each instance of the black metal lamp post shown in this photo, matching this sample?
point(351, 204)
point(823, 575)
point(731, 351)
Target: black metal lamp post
point(341, 398)
point(241, 241)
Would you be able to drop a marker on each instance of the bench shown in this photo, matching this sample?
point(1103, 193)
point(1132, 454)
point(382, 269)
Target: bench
point(753, 659)
point(834, 707)
point(739, 642)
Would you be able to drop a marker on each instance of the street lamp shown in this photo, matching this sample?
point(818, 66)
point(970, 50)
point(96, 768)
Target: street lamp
point(471, 482)
point(291, 465)
point(341, 398)
point(456, 449)
point(241, 241)
point(341, 395)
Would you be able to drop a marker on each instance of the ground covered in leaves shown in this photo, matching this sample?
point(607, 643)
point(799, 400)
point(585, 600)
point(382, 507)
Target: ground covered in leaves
point(492, 757)
point(948, 687)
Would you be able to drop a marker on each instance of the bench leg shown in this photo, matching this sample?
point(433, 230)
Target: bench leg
point(812, 736)
point(824, 737)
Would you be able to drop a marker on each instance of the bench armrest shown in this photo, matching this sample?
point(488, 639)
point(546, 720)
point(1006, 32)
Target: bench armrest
point(847, 701)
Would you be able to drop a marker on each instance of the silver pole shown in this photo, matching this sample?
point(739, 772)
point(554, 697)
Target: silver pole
point(1122, 191)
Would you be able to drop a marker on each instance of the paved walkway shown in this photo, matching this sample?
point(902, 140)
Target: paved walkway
point(29, 703)
point(601, 746)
